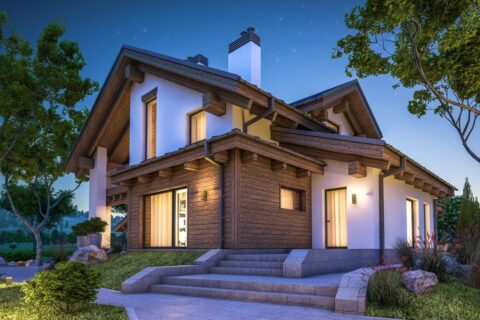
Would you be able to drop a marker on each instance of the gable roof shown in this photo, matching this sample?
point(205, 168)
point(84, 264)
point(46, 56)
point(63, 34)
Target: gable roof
point(360, 108)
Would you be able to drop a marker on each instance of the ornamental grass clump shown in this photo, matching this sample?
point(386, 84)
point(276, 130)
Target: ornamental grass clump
point(66, 289)
point(405, 253)
point(385, 289)
point(430, 259)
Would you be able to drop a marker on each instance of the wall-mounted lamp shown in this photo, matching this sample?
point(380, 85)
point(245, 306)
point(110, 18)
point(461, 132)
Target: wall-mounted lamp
point(8, 281)
point(354, 198)
point(203, 195)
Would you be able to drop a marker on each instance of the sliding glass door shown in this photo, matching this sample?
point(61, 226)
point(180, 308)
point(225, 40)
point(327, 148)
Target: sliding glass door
point(166, 215)
point(336, 218)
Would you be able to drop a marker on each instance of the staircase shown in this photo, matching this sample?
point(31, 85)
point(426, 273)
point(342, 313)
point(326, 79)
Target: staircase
point(252, 276)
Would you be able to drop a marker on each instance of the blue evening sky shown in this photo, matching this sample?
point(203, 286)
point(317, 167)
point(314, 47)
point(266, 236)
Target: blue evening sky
point(298, 38)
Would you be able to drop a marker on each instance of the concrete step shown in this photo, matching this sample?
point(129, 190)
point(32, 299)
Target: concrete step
point(249, 283)
point(250, 271)
point(257, 257)
point(251, 264)
point(247, 295)
point(260, 251)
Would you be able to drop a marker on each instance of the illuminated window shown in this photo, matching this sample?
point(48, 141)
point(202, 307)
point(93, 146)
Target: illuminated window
point(292, 199)
point(151, 129)
point(198, 126)
point(426, 221)
point(410, 222)
point(336, 217)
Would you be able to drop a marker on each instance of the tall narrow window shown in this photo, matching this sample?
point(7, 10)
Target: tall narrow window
point(336, 217)
point(426, 220)
point(151, 129)
point(198, 126)
point(410, 222)
point(161, 220)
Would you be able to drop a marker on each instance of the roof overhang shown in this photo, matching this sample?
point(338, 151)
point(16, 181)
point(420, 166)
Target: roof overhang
point(369, 152)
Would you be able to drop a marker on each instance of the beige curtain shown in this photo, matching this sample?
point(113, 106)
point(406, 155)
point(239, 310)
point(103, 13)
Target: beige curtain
point(337, 218)
point(410, 235)
point(287, 198)
point(198, 126)
point(151, 129)
point(161, 220)
point(426, 212)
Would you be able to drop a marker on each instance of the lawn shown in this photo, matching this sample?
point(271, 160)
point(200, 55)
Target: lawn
point(451, 300)
point(13, 308)
point(118, 268)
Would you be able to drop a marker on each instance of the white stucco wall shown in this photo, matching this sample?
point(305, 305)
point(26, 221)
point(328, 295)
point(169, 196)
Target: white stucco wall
point(362, 227)
point(396, 193)
point(339, 120)
point(246, 62)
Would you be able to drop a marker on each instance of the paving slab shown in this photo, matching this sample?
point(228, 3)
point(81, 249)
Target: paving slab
point(149, 306)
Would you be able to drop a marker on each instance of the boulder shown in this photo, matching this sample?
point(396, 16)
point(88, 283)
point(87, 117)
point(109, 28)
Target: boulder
point(3, 262)
point(89, 255)
point(419, 281)
point(453, 267)
point(30, 263)
point(12, 264)
point(122, 253)
point(21, 263)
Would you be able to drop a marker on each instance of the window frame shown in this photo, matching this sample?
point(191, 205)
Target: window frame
point(326, 216)
point(412, 203)
point(190, 117)
point(147, 99)
point(299, 198)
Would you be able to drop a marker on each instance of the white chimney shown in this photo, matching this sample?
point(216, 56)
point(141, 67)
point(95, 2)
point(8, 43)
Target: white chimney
point(245, 57)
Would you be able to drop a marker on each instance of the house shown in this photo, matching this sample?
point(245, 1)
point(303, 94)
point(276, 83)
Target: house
point(205, 158)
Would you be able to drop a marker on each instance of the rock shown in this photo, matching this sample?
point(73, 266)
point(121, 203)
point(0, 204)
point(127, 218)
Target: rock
point(122, 253)
point(453, 267)
point(12, 264)
point(89, 255)
point(30, 263)
point(419, 281)
point(21, 263)
point(3, 262)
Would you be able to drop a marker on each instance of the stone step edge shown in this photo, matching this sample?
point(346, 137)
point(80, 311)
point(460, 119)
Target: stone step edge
point(247, 271)
point(230, 264)
point(250, 257)
point(327, 291)
point(324, 302)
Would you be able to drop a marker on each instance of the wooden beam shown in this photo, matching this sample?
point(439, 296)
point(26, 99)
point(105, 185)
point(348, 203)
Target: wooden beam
point(354, 123)
point(212, 104)
point(132, 73)
point(165, 173)
point(418, 183)
point(342, 107)
point(144, 179)
point(320, 114)
point(278, 165)
point(302, 173)
point(221, 156)
point(357, 169)
point(191, 165)
point(126, 183)
point(427, 187)
point(85, 163)
point(249, 157)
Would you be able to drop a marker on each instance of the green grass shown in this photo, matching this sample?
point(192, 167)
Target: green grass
point(451, 300)
point(118, 268)
point(12, 307)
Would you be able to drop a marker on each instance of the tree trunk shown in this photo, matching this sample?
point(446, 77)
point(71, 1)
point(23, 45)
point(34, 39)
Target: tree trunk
point(39, 247)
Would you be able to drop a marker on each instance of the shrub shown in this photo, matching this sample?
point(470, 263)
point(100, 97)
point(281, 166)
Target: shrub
point(430, 259)
point(386, 289)
point(60, 253)
point(467, 243)
point(94, 225)
point(19, 255)
point(12, 245)
point(405, 253)
point(67, 288)
point(474, 273)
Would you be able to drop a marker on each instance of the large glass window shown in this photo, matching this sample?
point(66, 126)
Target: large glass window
point(426, 221)
point(410, 222)
point(336, 218)
point(198, 126)
point(151, 129)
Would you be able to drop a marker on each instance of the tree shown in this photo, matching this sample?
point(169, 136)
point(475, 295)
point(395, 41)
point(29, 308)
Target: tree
point(431, 46)
point(47, 83)
point(447, 222)
point(469, 209)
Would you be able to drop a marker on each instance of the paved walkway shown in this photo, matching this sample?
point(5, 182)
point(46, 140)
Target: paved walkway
point(172, 307)
point(19, 274)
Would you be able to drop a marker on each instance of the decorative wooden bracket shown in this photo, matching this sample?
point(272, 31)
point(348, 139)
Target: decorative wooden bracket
point(213, 104)
point(249, 156)
point(278, 165)
point(191, 165)
point(357, 169)
point(165, 173)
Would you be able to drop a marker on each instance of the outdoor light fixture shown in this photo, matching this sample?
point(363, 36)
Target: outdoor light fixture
point(204, 195)
point(354, 198)
point(8, 281)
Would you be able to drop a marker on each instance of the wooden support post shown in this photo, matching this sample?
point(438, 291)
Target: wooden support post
point(357, 169)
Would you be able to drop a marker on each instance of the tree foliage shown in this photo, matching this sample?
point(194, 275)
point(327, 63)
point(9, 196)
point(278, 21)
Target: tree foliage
point(469, 209)
point(447, 222)
point(40, 90)
point(430, 46)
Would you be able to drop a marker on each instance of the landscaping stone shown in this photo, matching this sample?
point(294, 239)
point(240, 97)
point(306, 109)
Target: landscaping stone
point(453, 267)
point(122, 253)
point(89, 255)
point(30, 263)
point(3, 262)
point(419, 281)
point(21, 263)
point(12, 264)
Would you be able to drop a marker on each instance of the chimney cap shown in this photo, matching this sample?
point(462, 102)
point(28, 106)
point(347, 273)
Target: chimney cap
point(199, 59)
point(245, 37)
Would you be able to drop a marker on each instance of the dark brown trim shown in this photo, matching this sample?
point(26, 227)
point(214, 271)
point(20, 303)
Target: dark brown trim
point(326, 217)
point(150, 95)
